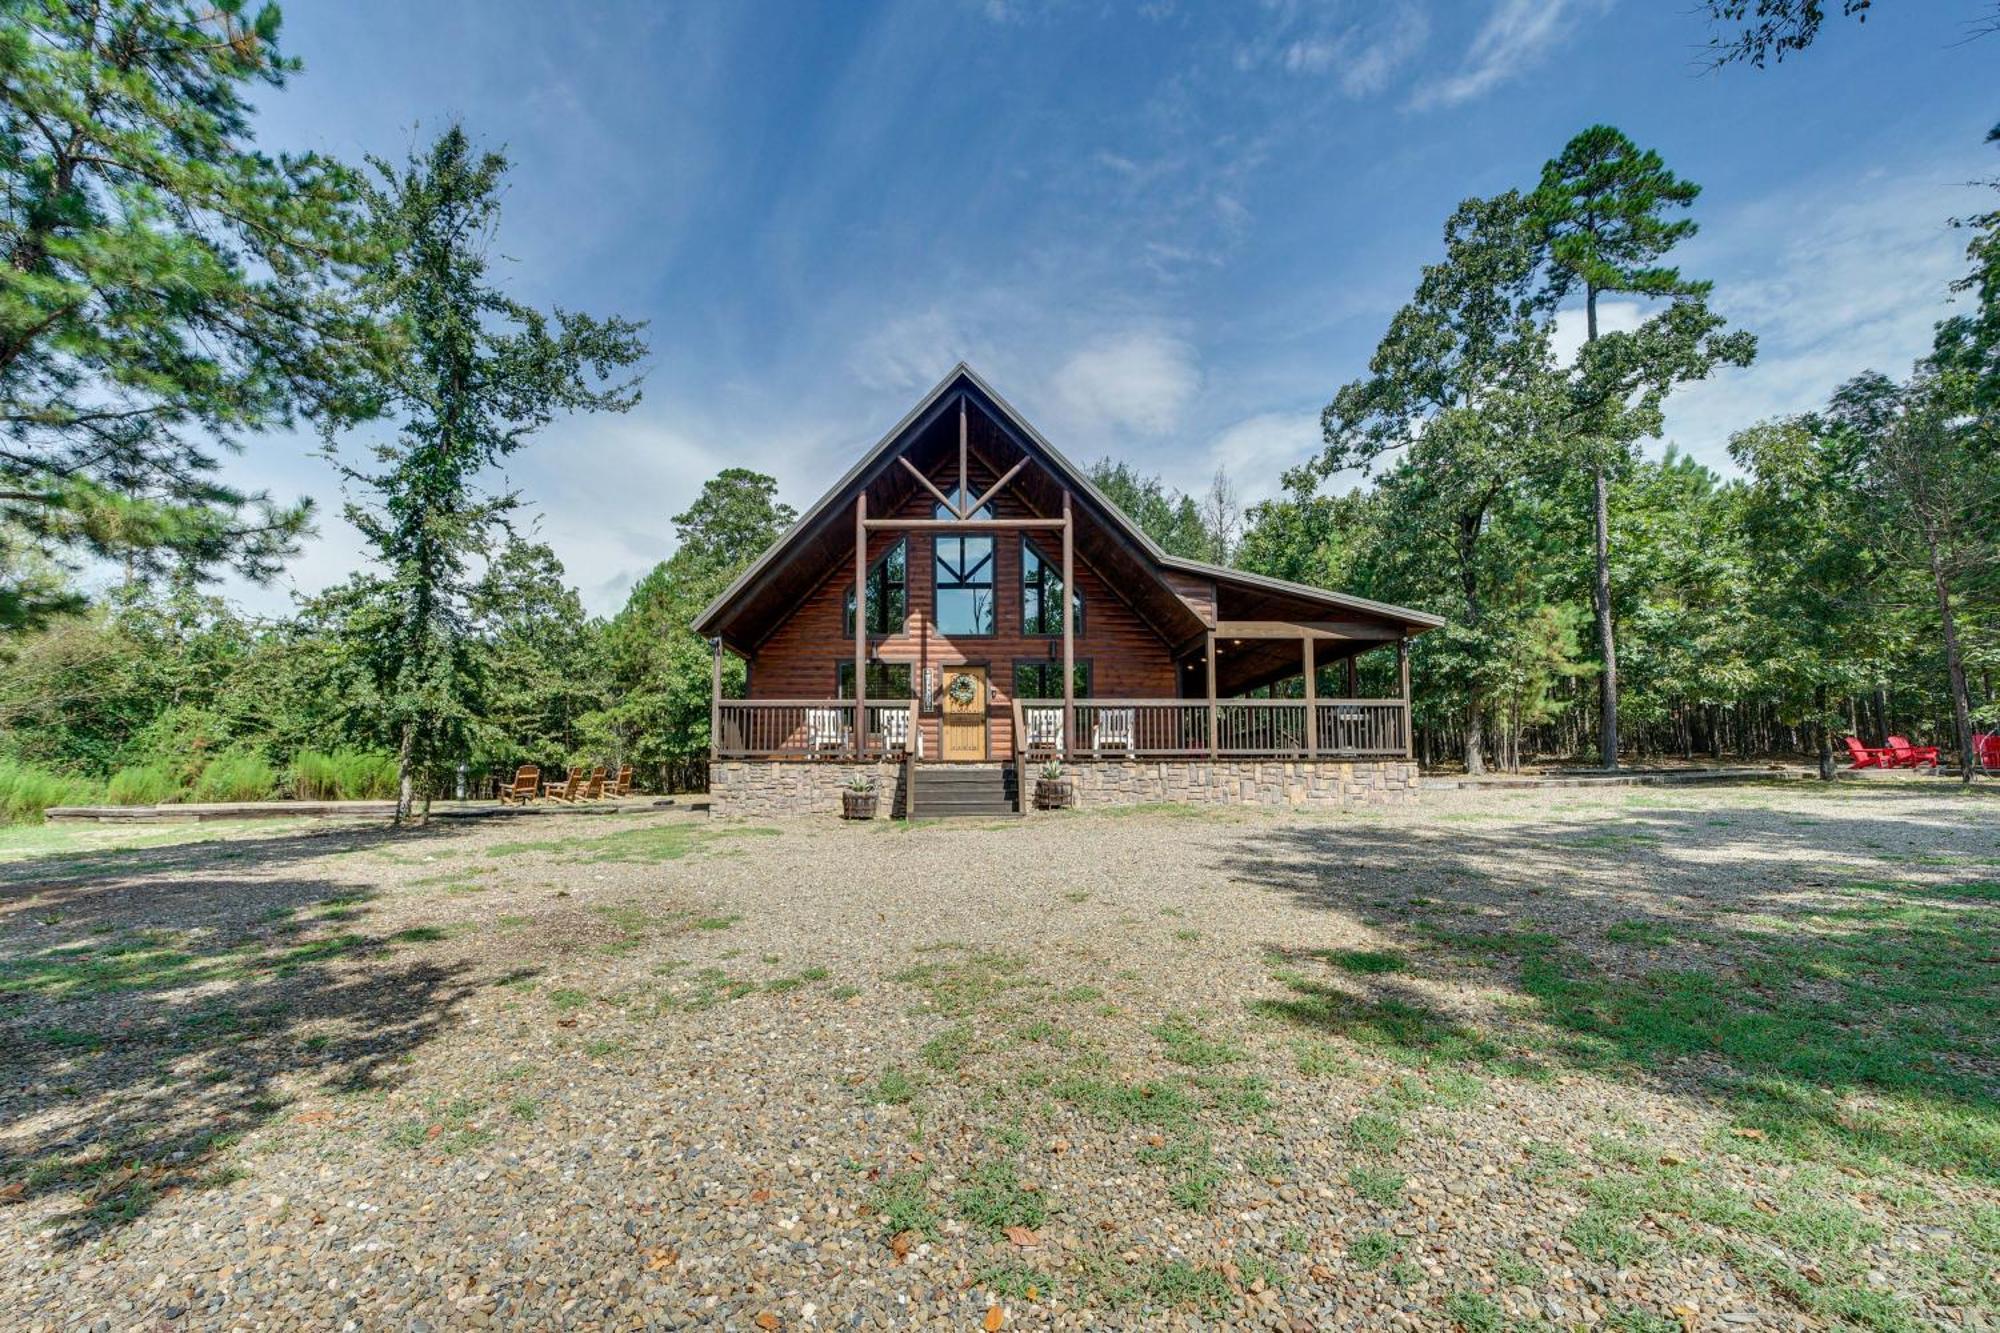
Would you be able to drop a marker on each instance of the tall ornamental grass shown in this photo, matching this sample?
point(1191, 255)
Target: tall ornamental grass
point(237, 775)
point(344, 775)
point(143, 784)
point(26, 791)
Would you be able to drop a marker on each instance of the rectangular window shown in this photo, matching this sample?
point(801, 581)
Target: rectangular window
point(886, 680)
point(1035, 679)
point(964, 586)
point(1041, 593)
point(888, 593)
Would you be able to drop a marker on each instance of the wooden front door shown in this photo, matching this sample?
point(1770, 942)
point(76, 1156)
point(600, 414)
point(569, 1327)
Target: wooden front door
point(964, 719)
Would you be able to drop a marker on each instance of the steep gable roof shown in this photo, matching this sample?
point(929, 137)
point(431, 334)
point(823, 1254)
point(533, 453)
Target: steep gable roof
point(821, 523)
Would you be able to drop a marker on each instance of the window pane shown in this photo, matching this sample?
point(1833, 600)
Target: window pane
point(964, 611)
point(886, 680)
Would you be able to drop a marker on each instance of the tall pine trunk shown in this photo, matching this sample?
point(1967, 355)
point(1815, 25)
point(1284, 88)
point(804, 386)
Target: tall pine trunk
point(1607, 646)
point(1961, 702)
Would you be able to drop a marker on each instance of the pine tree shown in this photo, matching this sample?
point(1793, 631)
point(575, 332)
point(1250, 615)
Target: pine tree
point(165, 289)
point(477, 375)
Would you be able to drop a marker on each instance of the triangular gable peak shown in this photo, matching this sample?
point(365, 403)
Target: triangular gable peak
point(963, 429)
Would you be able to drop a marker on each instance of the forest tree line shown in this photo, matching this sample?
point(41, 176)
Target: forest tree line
point(169, 292)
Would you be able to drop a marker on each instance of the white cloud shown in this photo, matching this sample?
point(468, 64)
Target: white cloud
point(1137, 382)
point(1571, 325)
point(1363, 56)
point(1515, 36)
point(1257, 451)
point(1834, 277)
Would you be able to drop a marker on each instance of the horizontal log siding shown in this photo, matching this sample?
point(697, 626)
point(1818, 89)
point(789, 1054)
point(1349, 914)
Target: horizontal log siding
point(1127, 659)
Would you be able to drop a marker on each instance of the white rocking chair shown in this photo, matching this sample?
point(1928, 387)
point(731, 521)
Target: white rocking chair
point(896, 732)
point(1113, 730)
point(826, 729)
point(1045, 730)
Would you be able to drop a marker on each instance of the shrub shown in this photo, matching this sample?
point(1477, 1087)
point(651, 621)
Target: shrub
point(26, 791)
point(314, 777)
point(142, 784)
point(237, 775)
point(364, 775)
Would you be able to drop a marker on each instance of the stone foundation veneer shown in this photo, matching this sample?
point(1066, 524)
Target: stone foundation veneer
point(1301, 784)
point(763, 787)
point(766, 787)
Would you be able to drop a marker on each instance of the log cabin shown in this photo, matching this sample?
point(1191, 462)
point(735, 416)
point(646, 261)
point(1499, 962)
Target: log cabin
point(964, 611)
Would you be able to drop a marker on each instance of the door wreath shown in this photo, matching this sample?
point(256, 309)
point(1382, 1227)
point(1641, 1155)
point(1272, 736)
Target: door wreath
point(962, 690)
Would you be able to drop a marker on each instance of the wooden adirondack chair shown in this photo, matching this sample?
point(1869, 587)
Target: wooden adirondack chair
point(620, 785)
point(1866, 756)
point(593, 788)
point(527, 785)
point(1045, 730)
point(1905, 755)
point(567, 790)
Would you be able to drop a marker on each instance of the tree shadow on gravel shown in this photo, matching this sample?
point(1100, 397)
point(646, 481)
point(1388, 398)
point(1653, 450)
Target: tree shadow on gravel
point(152, 1002)
point(1838, 1012)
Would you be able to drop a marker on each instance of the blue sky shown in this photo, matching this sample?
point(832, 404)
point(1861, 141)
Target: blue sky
point(1166, 231)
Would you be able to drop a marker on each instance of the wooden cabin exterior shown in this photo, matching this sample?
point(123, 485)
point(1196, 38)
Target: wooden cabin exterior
point(1009, 615)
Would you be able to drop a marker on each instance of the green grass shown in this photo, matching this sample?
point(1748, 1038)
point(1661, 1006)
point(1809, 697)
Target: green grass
point(1376, 1185)
point(958, 986)
point(948, 1051)
point(902, 1201)
point(1475, 1312)
point(1124, 1103)
point(1374, 1132)
point(993, 1198)
point(1372, 1249)
point(1187, 1045)
point(894, 1088)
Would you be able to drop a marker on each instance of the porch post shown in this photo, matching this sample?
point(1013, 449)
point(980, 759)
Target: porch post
point(1069, 629)
point(1353, 683)
point(1211, 696)
point(1403, 670)
point(861, 624)
point(1312, 697)
point(715, 702)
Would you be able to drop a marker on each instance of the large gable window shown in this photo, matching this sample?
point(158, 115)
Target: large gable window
point(964, 578)
point(888, 592)
point(1042, 594)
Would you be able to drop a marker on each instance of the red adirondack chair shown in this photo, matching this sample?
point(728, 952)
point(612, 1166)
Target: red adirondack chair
point(1986, 751)
point(1906, 755)
point(1866, 756)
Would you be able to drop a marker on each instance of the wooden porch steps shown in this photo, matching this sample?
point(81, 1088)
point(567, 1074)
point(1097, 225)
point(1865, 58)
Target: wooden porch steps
point(946, 791)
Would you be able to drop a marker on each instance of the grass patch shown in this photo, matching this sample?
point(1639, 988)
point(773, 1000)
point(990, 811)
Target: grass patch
point(993, 1198)
point(1186, 1045)
point(1374, 1132)
point(902, 1200)
point(1376, 1185)
point(948, 1051)
point(1372, 1249)
point(958, 986)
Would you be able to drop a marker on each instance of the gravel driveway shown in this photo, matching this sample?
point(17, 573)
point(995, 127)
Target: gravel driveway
point(1644, 1060)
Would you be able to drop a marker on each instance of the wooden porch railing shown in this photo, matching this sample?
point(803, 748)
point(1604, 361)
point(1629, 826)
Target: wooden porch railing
point(1140, 728)
point(811, 729)
point(1244, 728)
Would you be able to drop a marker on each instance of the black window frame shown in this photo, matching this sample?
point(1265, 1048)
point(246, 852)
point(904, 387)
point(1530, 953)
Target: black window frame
point(881, 568)
point(1051, 572)
point(843, 680)
point(1049, 670)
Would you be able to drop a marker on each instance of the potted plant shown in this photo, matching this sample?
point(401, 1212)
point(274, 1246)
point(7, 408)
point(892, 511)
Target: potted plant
point(857, 797)
point(1051, 788)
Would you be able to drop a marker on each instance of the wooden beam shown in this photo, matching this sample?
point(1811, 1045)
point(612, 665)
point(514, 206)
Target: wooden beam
point(715, 702)
point(994, 490)
point(1359, 630)
point(1212, 737)
point(964, 484)
point(1403, 670)
point(1353, 678)
point(1068, 622)
point(861, 623)
point(965, 524)
point(1312, 697)
point(929, 485)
